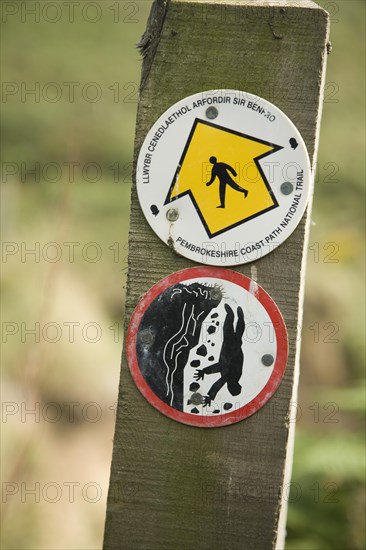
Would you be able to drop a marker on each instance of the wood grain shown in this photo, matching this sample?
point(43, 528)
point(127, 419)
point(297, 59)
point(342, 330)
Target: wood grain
point(175, 486)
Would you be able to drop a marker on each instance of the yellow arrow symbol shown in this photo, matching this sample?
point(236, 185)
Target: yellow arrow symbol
point(220, 171)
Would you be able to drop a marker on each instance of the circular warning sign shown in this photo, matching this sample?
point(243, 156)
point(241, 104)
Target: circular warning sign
point(207, 346)
point(223, 177)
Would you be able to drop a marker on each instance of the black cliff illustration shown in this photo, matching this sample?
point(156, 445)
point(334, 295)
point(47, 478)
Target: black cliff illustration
point(174, 320)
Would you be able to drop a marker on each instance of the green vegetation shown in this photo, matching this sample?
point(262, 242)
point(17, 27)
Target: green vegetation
point(326, 501)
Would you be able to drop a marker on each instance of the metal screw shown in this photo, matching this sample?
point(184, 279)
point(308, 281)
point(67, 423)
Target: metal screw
point(196, 399)
point(267, 360)
point(146, 337)
point(212, 113)
point(172, 214)
point(216, 293)
point(287, 188)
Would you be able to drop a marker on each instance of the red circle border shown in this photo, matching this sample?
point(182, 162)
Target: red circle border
point(281, 338)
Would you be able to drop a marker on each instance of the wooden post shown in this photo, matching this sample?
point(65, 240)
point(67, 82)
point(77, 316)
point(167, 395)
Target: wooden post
point(172, 485)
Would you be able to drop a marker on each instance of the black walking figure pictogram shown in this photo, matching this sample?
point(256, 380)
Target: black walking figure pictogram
point(221, 171)
point(230, 363)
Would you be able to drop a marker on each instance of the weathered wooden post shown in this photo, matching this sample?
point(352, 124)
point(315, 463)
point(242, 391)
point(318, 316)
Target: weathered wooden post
point(178, 486)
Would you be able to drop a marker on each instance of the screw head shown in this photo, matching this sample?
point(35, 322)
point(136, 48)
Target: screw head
point(196, 399)
point(212, 113)
point(287, 188)
point(172, 214)
point(267, 360)
point(146, 337)
point(215, 293)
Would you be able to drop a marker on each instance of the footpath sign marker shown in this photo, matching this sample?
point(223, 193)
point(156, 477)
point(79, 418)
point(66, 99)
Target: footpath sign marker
point(207, 347)
point(175, 485)
point(223, 177)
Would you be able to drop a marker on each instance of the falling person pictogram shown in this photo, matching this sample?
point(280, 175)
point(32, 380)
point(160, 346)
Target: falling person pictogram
point(230, 363)
point(221, 171)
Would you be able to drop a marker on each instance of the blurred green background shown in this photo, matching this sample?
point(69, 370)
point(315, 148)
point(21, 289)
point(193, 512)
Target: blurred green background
point(59, 383)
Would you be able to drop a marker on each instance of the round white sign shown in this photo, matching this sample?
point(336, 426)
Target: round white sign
point(207, 346)
point(223, 177)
